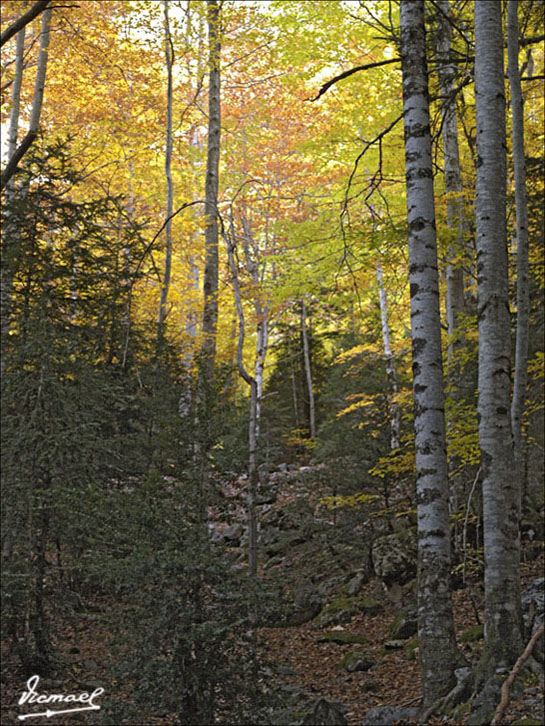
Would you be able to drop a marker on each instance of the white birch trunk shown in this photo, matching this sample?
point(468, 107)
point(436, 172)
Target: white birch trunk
point(395, 413)
point(37, 101)
point(453, 178)
point(523, 303)
point(500, 487)
point(438, 655)
point(308, 371)
point(169, 58)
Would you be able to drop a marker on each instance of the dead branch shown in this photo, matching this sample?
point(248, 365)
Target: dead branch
point(505, 689)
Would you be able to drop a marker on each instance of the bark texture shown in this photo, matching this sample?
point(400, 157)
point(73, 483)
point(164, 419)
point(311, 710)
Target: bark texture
point(395, 413)
point(169, 59)
point(308, 371)
point(210, 281)
point(523, 303)
point(9, 230)
point(453, 178)
point(438, 653)
point(500, 487)
point(37, 101)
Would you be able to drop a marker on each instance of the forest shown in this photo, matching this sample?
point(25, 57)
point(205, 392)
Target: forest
point(272, 362)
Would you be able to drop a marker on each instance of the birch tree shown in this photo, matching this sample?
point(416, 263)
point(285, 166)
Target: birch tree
point(452, 176)
point(33, 127)
point(500, 487)
point(210, 280)
point(395, 413)
point(523, 303)
point(308, 371)
point(438, 655)
point(169, 59)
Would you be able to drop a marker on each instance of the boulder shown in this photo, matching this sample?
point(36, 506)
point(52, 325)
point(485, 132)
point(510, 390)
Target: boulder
point(370, 606)
point(357, 582)
point(389, 715)
point(405, 625)
point(325, 713)
point(357, 660)
point(341, 637)
point(308, 601)
point(233, 533)
point(394, 557)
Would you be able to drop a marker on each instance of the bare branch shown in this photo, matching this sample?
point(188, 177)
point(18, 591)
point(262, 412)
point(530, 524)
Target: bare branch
point(25, 19)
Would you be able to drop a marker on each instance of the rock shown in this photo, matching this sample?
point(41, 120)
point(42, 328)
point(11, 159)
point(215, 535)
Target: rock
point(369, 606)
point(533, 610)
point(339, 610)
point(405, 625)
point(325, 713)
point(370, 686)
point(388, 716)
point(216, 536)
point(394, 645)
point(356, 660)
point(357, 582)
point(308, 601)
point(341, 637)
point(233, 533)
point(484, 704)
point(394, 557)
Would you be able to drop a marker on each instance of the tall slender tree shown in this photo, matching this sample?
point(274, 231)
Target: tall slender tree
point(39, 87)
point(210, 281)
point(500, 487)
point(438, 654)
point(523, 303)
point(169, 59)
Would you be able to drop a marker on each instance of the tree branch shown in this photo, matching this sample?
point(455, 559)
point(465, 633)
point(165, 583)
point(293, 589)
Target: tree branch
point(25, 19)
point(350, 72)
point(498, 716)
point(11, 166)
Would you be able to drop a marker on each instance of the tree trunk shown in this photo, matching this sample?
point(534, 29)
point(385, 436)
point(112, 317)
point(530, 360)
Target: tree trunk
point(308, 371)
point(453, 178)
point(169, 57)
point(521, 346)
point(9, 231)
point(500, 487)
point(210, 282)
point(37, 101)
point(438, 654)
point(395, 413)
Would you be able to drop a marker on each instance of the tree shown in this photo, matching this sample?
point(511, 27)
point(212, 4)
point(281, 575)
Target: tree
point(210, 281)
point(37, 101)
point(500, 487)
point(523, 302)
point(438, 653)
point(169, 59)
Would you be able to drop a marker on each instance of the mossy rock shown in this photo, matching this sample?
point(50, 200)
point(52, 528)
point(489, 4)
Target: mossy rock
point(339, 610)
point(341, 637)
point(404, 626)
point(476, 632)
point(528, 721)
point(356, 660)
point(369, 606)
point(370, 686)
point(410, 648)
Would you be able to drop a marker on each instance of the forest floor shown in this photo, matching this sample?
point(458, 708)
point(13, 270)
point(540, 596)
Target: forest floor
point(300, 665)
